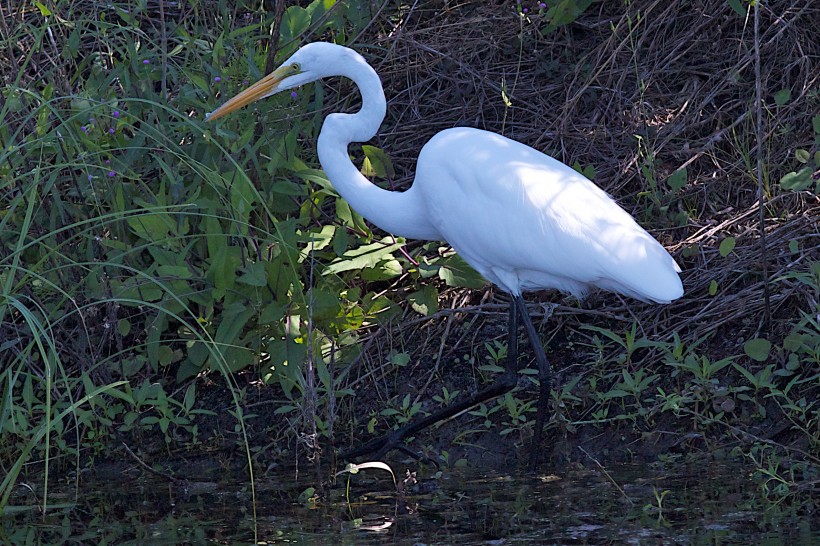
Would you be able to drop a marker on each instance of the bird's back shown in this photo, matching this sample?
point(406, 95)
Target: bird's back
point(528, 222)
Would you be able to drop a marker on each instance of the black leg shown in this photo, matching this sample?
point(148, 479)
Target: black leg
point(502, 384)
point(544, 377)
point(512, 342)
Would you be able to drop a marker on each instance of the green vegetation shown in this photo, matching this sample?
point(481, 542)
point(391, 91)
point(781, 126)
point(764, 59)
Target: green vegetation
point(178, 286)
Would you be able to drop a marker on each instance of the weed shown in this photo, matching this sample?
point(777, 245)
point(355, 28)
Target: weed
point(404, 413)
point(657, 508)
point(446, 397)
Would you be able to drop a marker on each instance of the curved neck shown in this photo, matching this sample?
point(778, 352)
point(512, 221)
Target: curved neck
point(398, 213)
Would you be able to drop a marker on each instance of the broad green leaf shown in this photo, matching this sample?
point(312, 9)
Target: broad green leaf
point(727, 245)
point(606, 333)
point(233, 321)
point(802, 155)
point(385, 269)
point(28, 392)
point(283, 278)
point(72, 47)
point(218, 50)
point(800, 342)
point(171, 174)
point(287, 187)
point(166, 355)
point(564, 12)
point(758, 349)
point(136, 288)
point(323, 373)
point(198, 353)
point(271, 313)
point(174, 271)
point(235, 358)
point(782, 97)
point(738, 7)
point(349, 217)
point(243, 196)
point(324, 304)
point(344, 213)
point(615, 393)
point(221, 271)
point(254, 275)
point(713, 287)
point(677, 180)
point(190, 397)
point(400, 359)
point(456, 272)
point(197, 79)
point(318, 240)
point(341, 241)
point(424, 301)
point(154, 227)
point(295, 21)
point(364, 256)
point(44, 11)
point(123, 327)
point(166, 258)
point(377, 163)
point(588, 171)
point(748, 375)
point(285, 364)
point(797, 181)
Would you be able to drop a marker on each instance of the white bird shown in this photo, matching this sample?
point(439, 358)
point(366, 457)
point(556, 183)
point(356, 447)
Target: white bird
point(522, 219)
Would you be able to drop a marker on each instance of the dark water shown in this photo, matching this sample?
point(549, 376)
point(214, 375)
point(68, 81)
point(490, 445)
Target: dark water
point(709, 504)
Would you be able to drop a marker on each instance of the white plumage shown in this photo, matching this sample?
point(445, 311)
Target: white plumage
point(524, 220)
point(521, 218)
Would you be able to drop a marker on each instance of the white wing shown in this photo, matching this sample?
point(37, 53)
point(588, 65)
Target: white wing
point(527, 221)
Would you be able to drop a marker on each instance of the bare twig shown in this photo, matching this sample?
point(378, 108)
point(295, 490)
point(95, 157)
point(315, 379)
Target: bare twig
point(761, 196)
point(148, 468)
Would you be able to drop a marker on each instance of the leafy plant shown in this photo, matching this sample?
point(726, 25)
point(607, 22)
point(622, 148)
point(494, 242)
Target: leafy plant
point(404, 413)
point(806, 177)
point(629, 341)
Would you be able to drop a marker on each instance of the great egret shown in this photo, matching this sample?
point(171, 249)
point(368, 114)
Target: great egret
point(522, 219)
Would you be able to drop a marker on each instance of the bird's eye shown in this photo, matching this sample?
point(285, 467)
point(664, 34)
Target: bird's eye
point(295, 67)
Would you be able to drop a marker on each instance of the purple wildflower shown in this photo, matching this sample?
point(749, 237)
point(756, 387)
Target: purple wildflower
point(116, 113)
point(112, 174)
point(111, 131)
point(217, 79)
point(146, 61)
point(294, 94)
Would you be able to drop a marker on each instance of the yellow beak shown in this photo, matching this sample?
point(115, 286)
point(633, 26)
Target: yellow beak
point(263, 88)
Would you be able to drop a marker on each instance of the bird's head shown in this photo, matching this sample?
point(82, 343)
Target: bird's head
point(310, 63)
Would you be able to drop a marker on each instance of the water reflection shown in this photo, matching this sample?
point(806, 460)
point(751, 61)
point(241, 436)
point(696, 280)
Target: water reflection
point(632, 504)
